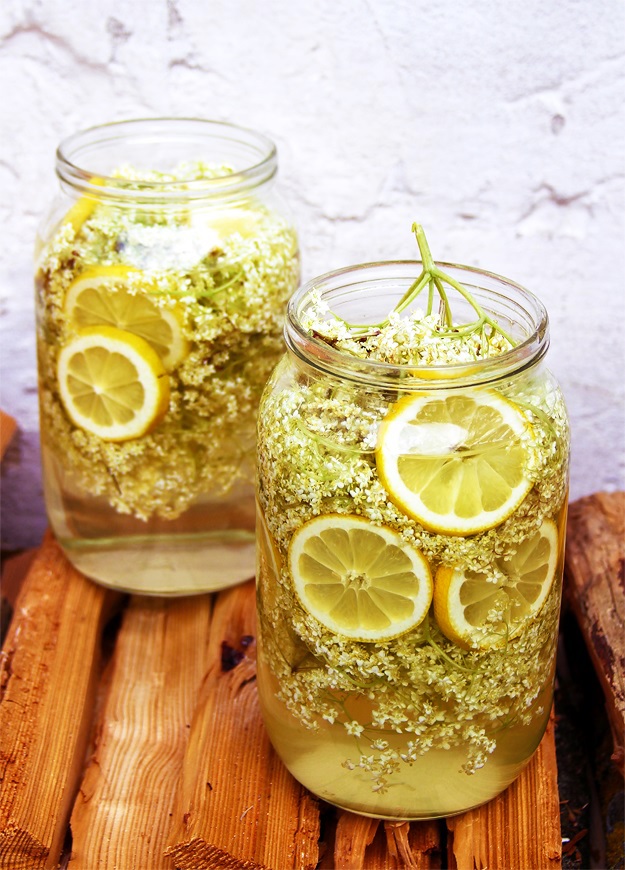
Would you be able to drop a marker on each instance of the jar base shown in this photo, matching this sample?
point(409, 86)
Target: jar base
point(434, 787)
point(164, 565)
point(436, 784)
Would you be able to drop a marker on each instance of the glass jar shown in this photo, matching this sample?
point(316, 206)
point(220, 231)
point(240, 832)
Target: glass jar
point(411, 522)
point(162, 275)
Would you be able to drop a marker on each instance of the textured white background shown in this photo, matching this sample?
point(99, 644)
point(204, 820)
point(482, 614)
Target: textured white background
point(498, 125)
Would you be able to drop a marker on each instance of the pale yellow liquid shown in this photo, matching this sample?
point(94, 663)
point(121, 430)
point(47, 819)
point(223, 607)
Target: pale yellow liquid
point(211, 546)
point(434, 785)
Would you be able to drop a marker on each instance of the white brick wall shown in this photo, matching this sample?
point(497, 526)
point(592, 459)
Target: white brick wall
point(498, 125)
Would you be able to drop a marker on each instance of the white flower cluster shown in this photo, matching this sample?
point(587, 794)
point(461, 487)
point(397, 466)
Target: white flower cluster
point(229, 295)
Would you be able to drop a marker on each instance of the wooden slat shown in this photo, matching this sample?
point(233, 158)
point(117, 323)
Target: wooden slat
point(519, 829)
point(7, 430)
point(237, 806)
point(363, 843)
point(48, 675)
point(415, 845)
point(595, 583)
point(122, 814)
point(353, 835)
point(14, 571)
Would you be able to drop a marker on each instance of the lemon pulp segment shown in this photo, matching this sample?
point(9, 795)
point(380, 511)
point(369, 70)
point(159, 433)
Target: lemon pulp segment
point(112, 383)
point(102, 296)
point(360, 580)
point(479, 610)
point(455, 462)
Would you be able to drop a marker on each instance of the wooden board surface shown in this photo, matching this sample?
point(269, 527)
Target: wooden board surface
point(130, 737)
point(7, 430)
point(595, 588)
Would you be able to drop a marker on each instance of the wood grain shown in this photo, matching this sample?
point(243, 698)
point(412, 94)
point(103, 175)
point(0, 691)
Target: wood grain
point(123, 810)
point(237, 806)
point(7, 431)
point(362, 843)
point(594, 588)
point(48, 676)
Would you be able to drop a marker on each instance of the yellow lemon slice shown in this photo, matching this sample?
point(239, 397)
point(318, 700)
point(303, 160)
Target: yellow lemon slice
point(478, 611)
point(444, 373)
point(112, 383)
point(101, 296)
point(226, 221)
point(217, 224)
point(83, 208)
point(455, 462)
point(360, 580)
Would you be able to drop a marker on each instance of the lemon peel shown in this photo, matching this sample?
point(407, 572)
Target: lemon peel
point(80, 212)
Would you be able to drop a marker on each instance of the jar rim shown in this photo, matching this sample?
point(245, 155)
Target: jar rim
point(408, 376)
point(72, 170)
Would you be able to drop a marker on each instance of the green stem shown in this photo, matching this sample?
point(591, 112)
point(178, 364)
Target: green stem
point(447, 319)
point(435, 279)
point(431, 288)
point(440, 651)
point(411, 294)
point(482, 316)
point(424, 248)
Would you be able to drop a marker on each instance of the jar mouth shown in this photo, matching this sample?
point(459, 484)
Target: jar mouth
point(377, 287)
point(86, 160)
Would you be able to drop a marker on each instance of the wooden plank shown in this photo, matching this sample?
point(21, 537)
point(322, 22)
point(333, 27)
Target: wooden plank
point(352, 837)
point(520, 828)
point(121, 816)
point(594, 587)
point(414, 845)
point(14, 570)
point(363, 843)
point(48, 676)
point(237, 806)
point(7, 431)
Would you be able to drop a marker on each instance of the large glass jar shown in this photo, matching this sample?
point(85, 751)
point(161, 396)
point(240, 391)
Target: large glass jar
point(162, 275)
point(411, 522)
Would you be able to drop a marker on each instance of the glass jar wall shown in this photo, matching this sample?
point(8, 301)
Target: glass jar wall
point(411, 518)
point(162, 275)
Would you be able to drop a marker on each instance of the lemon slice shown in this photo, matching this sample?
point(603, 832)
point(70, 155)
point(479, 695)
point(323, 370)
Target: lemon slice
point(360, 580)
point(475, 610)
point(226, 221)
point(112, 383)
point(83, 208)
point(100, 296)
point(217, 224)
point(455, 462)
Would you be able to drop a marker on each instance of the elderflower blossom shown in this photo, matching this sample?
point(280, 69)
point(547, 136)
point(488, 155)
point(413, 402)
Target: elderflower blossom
point(206, 442)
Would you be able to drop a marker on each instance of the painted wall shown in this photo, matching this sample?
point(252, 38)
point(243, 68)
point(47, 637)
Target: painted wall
point(499, 126)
